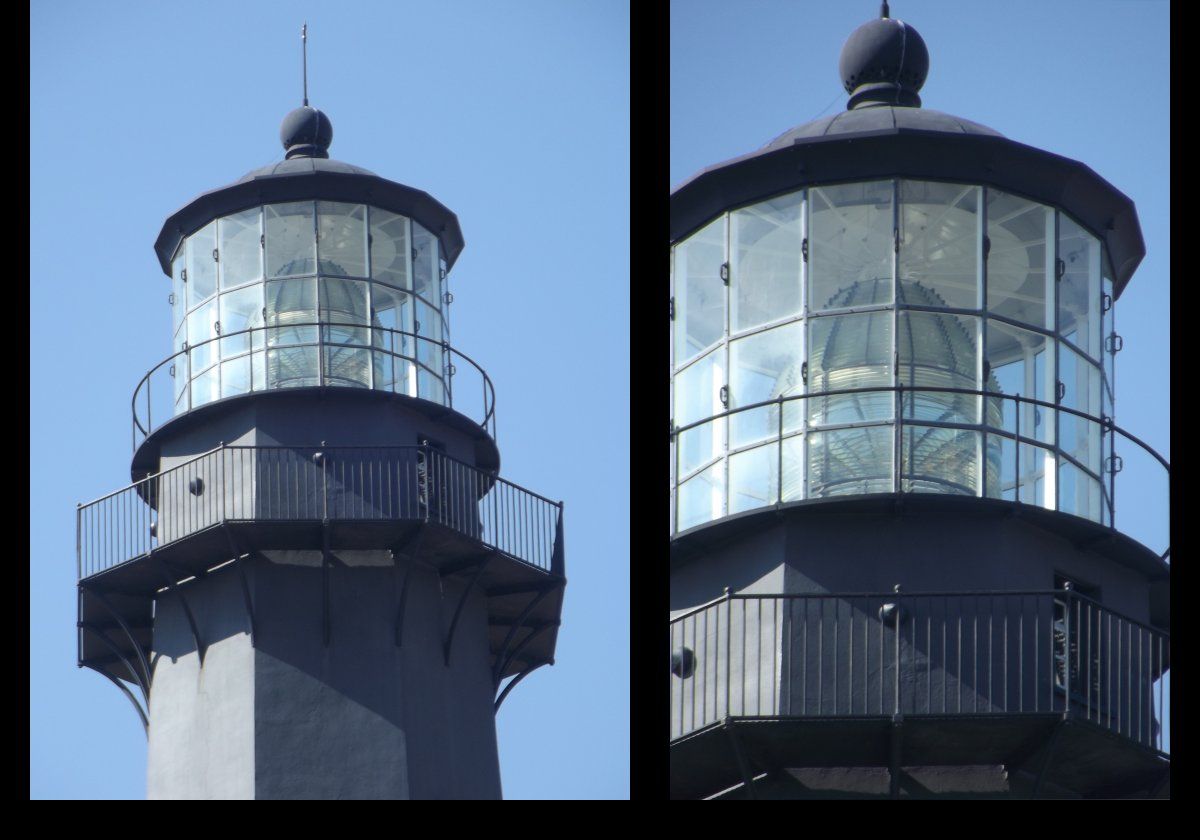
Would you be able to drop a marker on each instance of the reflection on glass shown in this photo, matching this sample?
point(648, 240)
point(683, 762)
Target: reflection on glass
point(754, 478)
point(240, 248)
point(702, 498)
point(847, 352)
point(426, 270)
point(344, 302)
point(849, 462)
point(290, 303)
point(292, 367)
point(342, 239)
point(939, 245)
point(765, 262)
point(201, 265)
point(764, 366)
point(202, 326)
point(390, 251)
point(850, 244)
point(939, 460)
point(938, 350)
point(291, 239)
point(699, 291)
point(241, 310)
point(1016, 260)
point(1079, 289)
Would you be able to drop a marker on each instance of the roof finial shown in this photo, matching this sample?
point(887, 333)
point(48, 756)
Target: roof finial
point(304, 49)
point(883, 10)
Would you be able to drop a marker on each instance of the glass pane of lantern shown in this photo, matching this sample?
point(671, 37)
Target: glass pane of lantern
point(939, 350)
point(392, 311)
point(347, 366)
point(1079, 290)
point(699, 291)
point(846, 352)
point(1016, 260)
point(201, 267)
point(292, 367)
point(1078, 492)
point(850, 245)
point(429, 331)
point(241, 310)
point(178, 290)
point(939, 460)
point(425, 265)
point(430, 386)
point(202, 326)
point(390, 251)
point(700, 445)
point(1080, 437)
point(1001, 468)
point(939, 245)
point(291, 240)
point(1019, 365)
point(206, 387)
point(762, 367)
point(344, 302)
point(241, 248)
point(765, 262)
point(698, 389)
point(342, 239)
point(793, 469)
point(754, 478)
point(847, 462)
point(290, 303)
point(235, 376)
point(702, 498)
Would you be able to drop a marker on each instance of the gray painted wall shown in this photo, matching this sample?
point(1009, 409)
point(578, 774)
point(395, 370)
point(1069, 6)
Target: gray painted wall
point(291, 717)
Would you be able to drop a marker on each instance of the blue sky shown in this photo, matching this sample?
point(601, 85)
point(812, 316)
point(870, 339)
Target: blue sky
point(513, 115)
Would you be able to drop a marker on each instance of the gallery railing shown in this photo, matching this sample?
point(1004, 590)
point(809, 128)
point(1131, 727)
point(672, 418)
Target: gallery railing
point(899, 439)
point(316, 484)
point(342, 354)
point(955, 653)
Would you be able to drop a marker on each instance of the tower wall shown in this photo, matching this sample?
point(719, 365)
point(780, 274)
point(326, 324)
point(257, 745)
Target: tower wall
point(291, 717)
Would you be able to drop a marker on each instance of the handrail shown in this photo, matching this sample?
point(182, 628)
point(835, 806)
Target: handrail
point(838, 655)
point(1104, 423)
point(307, 483)
point(487, 422)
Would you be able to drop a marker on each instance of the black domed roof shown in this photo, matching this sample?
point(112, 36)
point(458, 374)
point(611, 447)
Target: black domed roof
point(884, 61)
point(308, 173)
point(884, 133)
point(306, 132)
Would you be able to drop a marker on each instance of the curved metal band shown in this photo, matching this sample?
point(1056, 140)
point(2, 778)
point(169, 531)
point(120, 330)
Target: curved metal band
point(513, 683)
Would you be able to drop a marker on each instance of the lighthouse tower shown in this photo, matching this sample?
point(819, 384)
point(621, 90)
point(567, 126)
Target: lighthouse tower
point(898, 567)
point(317, 585)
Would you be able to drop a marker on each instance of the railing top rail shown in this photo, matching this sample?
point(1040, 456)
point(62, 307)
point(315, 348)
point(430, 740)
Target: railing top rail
point(904, 595)
point(1106, 422)
point(443, 344)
